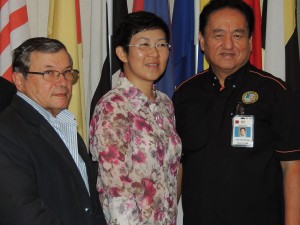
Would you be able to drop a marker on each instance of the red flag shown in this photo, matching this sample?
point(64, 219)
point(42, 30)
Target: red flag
point(138, 5)
point(14, 30)
point(256, 56)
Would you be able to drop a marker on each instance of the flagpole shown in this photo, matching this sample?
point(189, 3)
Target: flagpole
point(109, 34)
point(196, 32)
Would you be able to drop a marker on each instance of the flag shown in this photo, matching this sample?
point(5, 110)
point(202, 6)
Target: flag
point(292, 72)
point(198, 54)
point(273, 19)
point(64, 25)
point(256, 55)
point(113, 11)
point(98, 53)
point(183, 43)
point(281, 41)
point(14, 30)
point(138, 5)
point(160, 8)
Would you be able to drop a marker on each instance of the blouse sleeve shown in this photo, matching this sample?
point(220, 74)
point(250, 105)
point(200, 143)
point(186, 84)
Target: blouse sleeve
point(109, 143)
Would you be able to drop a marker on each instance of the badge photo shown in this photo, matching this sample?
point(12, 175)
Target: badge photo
point(242, 131)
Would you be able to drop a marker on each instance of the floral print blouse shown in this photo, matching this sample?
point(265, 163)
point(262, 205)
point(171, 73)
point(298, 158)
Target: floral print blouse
point(138, 150)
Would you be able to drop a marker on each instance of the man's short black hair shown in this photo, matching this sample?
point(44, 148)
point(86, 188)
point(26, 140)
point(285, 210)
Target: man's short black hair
point(215, 5)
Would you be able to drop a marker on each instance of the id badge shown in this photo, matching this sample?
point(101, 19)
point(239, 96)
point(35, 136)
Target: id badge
point(243, 131)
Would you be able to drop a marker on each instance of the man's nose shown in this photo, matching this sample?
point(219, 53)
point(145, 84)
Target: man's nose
point(228, 42)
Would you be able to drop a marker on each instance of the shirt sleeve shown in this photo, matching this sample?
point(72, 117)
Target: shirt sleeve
point(110, 143)
point(286, 126)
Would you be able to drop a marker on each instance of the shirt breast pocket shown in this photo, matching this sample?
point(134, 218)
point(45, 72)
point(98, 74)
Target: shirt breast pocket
point(192, 124)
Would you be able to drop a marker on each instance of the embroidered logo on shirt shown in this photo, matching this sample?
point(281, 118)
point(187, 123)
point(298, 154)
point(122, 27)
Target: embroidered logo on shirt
point(249, 97)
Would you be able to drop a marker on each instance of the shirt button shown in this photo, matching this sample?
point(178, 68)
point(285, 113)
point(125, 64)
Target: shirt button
point(88, 210)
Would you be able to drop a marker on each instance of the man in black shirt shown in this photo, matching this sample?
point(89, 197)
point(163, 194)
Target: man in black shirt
point(228, 179)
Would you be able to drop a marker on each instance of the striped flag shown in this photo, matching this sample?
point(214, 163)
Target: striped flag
point(281, 41)
point(160, 8)
point(103, 56)
point(14, 30)
point(64, 25)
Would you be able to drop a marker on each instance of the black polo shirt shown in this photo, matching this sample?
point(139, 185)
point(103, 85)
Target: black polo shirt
point(234, 185)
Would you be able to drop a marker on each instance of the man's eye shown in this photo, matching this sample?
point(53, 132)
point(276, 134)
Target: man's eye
point(49, 72)
point(218, 36)
point(68, 72)
point(238, 36)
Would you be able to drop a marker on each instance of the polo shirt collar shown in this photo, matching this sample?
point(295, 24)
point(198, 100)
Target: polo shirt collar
point(232, 80)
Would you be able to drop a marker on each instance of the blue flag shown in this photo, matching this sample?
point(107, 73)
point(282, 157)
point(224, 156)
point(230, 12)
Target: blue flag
point(161, 8)
point(183, 46)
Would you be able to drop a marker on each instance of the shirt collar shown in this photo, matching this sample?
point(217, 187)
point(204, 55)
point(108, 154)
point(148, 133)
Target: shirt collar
point(136, 98)
point(232, 79)
point(65, 115)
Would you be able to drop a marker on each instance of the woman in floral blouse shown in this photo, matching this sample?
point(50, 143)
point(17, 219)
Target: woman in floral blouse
point(132, 131)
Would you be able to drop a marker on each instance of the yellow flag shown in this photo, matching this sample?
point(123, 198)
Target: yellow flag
point(64, 25)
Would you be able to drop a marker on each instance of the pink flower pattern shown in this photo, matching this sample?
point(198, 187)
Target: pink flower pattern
point(138, 151)
point(139, 157)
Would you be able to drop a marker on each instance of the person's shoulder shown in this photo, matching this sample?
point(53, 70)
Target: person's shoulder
point(194, 80)
point(164, 97)
point(6, 85)
point(7, 91)
point(267, 77)
point(112, 99)
point(11, 122)
point(111, 94)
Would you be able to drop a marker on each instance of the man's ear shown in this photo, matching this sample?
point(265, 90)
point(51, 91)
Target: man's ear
point(18, 79)
point(202, 41)
point(122, 55)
